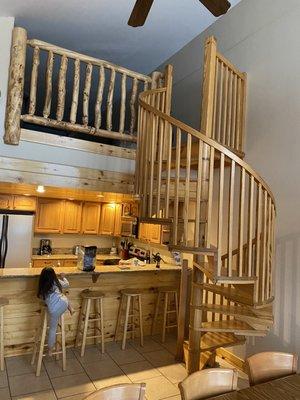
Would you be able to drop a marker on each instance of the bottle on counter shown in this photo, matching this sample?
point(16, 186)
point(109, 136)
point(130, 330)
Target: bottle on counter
point(148, 257)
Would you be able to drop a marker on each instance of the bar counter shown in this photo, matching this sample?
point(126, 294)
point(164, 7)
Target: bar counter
point(22, 315)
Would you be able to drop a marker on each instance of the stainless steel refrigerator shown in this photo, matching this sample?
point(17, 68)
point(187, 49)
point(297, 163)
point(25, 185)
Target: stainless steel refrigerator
point(16, 230)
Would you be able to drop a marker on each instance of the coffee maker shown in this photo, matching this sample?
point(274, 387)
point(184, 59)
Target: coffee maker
point(45, 247)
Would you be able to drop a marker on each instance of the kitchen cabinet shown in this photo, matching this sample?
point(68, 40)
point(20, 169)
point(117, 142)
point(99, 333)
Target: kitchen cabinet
point(150, 232)
point(6, 201)
point(49, 216)
point(72, 211)
point(110, 223)
point(24, 203)
point(90, 218)
point(46, 263)
point(69, 263)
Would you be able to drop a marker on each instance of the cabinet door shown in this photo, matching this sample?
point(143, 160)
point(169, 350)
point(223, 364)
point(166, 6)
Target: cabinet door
point(143, 231)
point(134, 209)
point(6, 201)
point(72, 216)
point(90, 218)
point(70, 263)
point(118, 214)
point(154, 232)
point(45, 263)
point(49, 216)
point(107, 224)
point(24, 203)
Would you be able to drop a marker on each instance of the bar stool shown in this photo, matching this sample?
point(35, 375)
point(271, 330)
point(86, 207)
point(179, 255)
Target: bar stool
point(41, 338)
point(129, 297)
point(3, 302)
point(90, 298)
point(166, 294)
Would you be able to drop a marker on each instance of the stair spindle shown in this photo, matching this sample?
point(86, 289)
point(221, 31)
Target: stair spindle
point(61, 88)
point(110, 97)
point(86, 94)
point(75, 95)
point(34, 79)
point(48, 85)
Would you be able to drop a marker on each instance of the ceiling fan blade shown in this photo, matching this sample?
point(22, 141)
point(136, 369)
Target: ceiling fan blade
point(140, 12)
point(216, 7)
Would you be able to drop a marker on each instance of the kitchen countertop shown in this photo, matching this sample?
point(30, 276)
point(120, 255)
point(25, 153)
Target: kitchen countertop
point(73, 257)
point(33, 272)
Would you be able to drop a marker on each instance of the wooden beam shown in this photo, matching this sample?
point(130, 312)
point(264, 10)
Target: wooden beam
point(217, 7)
point(140, 12)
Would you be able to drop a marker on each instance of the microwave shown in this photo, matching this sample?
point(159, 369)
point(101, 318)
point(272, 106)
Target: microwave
point(129, 226)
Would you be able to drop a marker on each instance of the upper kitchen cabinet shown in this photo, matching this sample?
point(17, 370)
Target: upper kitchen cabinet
point(72, 212)
point(110, 223)
point(90, 218)
point(49, 216)
point(24, 203)
point(6, 201)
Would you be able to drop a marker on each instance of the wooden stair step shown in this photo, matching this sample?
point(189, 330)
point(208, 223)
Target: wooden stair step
point(208, 270)
point(211, 341)
point(230, 293)
point(236, 327)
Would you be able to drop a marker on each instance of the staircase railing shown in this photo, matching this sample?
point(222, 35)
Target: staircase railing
point(71, 91)
point(240, 207)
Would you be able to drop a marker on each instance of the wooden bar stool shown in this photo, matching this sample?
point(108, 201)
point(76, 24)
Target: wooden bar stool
point(128, 299)
point(3, 302)
point(166, 294)
point(90, 298)
point(39, 343)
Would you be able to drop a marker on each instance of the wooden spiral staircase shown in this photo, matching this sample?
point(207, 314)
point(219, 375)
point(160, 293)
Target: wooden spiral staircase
point(216, 206)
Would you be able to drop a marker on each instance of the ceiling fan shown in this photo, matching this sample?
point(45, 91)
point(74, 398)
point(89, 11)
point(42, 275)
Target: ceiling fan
point(142, 7)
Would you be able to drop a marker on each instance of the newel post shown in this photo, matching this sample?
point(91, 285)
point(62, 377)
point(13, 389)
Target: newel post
point(15, 86)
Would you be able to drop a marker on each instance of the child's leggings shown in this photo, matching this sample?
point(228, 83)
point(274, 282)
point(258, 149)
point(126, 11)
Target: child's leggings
point(54, 315)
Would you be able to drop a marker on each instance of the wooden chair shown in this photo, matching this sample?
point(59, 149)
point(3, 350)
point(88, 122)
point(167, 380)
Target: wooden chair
point(208, 383)
point(166, 293)
point(90, 298)
point(128, 298)
point(3, 302)
point(126, 391)
point(266, 366)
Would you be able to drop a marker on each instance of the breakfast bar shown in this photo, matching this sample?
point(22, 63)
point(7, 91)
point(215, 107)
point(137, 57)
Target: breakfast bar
point(22, 314)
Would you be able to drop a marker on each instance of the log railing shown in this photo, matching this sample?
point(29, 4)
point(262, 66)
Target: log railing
point(239, 208)
point(71, 91)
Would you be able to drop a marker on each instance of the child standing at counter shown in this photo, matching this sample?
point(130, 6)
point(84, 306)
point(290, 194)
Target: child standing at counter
point(50, 290)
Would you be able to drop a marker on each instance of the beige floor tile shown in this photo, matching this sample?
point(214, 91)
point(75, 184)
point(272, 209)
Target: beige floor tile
point(4, 394)
point(160, 388)
point(80, 396)
point(175, 372)
point(101, 383)
point(126, 356)
point(139, 371)
point(54, 368)
point(3, 379)
point(20, 365)
point(149, 345)
point(72, 384)
point(91, 355)
point(170, 345)
point(70, 355)
point(178, 397)
point(28, 383)
point(103, 370)
point(47, 395)
point(160, 358)
point(113, 346)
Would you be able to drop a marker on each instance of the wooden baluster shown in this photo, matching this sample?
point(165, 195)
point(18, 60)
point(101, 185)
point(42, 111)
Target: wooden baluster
point(86, 94)
point(99, 98)
point(75, 95)
point(34, 79)
point(177, 177)
point(241, 222)
point(273, 251)
point(133, 105)
point(159, 165)
point(153, 127)
point(169, 129)
point(220, 214)
point(146, 86)
point(48, 85)
point(233, 114)
point(250, 224)
point(145, 159)
point(258, 236)
point(210, 196)
point(264, 243)
point(268, 248)
point(243, 111)
point(225, 105)
point(229, 108)
point(61, 88)
point(220, 108)
point(213, 135)
point(123, 104)
point(230, 216)
point(198, 195)
point(110, 97)
point(138, 151)
point(238, 114)
point(187, 189)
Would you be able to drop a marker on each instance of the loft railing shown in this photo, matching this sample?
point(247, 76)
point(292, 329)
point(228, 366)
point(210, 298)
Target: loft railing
point(89, 95)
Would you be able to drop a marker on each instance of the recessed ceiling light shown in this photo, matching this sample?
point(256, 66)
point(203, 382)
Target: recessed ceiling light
point(40, 189)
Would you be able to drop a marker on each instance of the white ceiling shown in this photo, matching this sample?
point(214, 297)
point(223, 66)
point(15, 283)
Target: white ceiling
point(99, 27)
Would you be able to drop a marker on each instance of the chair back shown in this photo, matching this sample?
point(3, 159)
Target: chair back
point(264, 367)
point(207, 383)
point(126, 391)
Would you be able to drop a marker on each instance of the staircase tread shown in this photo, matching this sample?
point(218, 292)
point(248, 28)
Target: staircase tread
point(213, 340)
point(238, 327)
point(209, 271)
point(231, 293)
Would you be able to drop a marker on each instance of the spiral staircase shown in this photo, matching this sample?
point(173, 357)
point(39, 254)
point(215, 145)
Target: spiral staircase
point(216, 206)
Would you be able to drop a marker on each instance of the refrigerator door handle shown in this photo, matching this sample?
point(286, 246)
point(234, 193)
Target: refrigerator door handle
point(3, 241)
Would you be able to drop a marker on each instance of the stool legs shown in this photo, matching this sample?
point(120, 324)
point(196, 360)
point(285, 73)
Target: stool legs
point(141, 321)
point(42, 344)
point(166, 312)
point(1, 339)
point(85, 327)
point(166, 303)
point(126, 323)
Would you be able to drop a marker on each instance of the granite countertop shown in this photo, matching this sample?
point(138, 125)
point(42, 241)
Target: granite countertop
point(32, 272)
point(73, 257)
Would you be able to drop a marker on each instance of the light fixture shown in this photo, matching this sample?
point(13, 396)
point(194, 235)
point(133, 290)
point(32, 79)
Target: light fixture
point(40, 189)
point(100, 196)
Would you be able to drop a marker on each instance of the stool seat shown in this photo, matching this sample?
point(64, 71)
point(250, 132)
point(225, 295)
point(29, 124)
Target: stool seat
point(3, 301)
point(131, 292)
point(92, 294)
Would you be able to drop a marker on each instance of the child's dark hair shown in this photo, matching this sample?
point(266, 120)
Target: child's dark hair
point(47, 279)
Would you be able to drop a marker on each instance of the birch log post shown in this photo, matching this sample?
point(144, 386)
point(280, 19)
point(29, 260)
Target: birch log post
point(61, 88)
point(110, 100)
point(133, 105)
point(48, 85)
point(167, 108)
point(34, 78)
point(99, 98)
point(15, 86)
point(76, 83)
point(86, 94)
point(123, 104)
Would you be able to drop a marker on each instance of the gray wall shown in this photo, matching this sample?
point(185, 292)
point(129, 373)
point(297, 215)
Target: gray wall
point(262, 37)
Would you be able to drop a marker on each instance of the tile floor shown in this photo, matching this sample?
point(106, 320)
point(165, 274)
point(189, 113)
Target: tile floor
point(153, 364)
